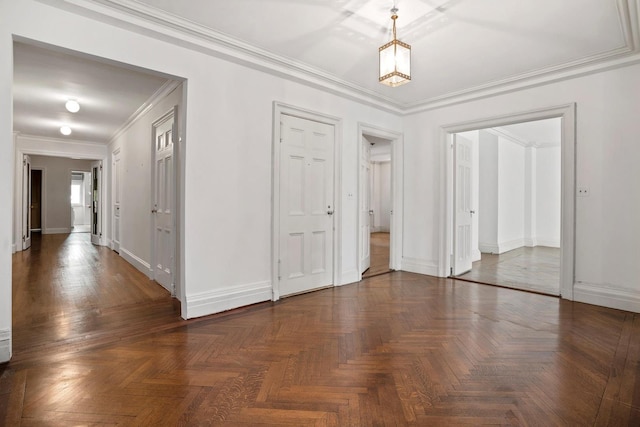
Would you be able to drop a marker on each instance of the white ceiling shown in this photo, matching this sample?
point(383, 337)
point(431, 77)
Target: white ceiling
point(458, 46)
point(108, 94)
point(460, 49)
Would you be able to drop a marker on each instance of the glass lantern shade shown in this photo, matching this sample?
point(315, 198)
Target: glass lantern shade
point(395, 63)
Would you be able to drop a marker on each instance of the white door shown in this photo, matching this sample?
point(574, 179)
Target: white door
point(365, 206)
point(306, 205)
point(116, 197)
point(26, 202)
point(462, 151)
point(95, 202)
point(164, 131)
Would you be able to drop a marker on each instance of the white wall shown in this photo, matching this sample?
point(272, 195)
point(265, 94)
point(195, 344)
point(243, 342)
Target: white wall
point(510, 195)
point(56, 191)
point(229, 127)
point(488, 192)
point(606, 269)
point(135, 145)
point(548, 196)
point(381, 200)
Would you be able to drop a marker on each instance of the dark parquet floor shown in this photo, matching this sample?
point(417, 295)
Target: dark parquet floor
point(379, 250)
point(393, 350)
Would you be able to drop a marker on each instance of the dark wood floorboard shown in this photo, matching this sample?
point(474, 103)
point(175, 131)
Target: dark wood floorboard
point(393, 350)
point(379, 250)
point(534, 269)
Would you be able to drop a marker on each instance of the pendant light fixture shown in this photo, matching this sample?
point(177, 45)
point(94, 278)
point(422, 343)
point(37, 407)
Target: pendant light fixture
point(395, 59)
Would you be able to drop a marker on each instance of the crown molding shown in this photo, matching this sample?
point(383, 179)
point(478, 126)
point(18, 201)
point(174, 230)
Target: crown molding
point(135, 16)
point(503, 133)
point(164, 90)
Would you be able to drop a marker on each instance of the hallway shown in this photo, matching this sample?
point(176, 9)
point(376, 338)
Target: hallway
point(66, 291)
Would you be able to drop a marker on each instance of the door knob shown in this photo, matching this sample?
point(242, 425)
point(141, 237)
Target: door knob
point(329, 212)
point(472, 212)
point(154, 211)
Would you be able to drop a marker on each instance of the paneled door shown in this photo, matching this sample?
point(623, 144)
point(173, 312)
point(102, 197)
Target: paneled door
point(26, 202)
point(365, 206)
point(116, 197)
point(463, 164)
point(96, 202)
point(306, 205)
point(164, 131)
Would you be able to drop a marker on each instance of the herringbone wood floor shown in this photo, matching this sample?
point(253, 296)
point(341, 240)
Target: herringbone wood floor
point(398, 349)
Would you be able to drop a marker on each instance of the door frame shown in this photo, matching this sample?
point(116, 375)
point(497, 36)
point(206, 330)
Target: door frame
point(280, 109)
point(53, 148)
point(567, 113)
point(43, 203)
point(174, 112)
point(397, 151)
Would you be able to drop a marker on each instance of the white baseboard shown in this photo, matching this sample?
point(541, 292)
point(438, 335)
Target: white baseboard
point(5, 345)
point(510, 245)
point(420, 266)
point(531, 242)
point(14, 248)
point(607, 296)
point(350, 276)
point(137, 262)
point(488, 248)
point(549, 243)
point(211, 302)
point(476, 255)
point(501, 247)
point(63, 230)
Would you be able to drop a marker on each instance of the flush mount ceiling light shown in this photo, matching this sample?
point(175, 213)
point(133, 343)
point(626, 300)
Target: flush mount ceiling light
point(395, 59)
point(65, 130)
point(72, 106)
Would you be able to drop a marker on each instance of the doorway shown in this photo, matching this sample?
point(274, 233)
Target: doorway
point(458, 245)
point(376, 205)
point(507, 203)
point(80, 202)
point(36, 200)
point(380, 195)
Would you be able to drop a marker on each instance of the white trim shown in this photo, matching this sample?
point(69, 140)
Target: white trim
point(137, 262)
point(420, 266)
point(510, 245)
point(211, 302)
point(35, 145)
point(164, 90)
point(5, 345)
point(350, 276)
point(397, 192)
point(607, 296)
point(280, 109)
point(59, 230)
point(549, 243)
point(568, 160)
point(152, 21)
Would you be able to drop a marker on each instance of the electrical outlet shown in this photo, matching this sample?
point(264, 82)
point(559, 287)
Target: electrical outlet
point(583, 192)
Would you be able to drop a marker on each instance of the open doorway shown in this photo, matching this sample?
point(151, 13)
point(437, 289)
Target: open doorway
point(379, 201)
point(533, 190)
point(36, 200)
point(76, 193)
point(378, 197)
point(81, 202)
point(515, 204)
